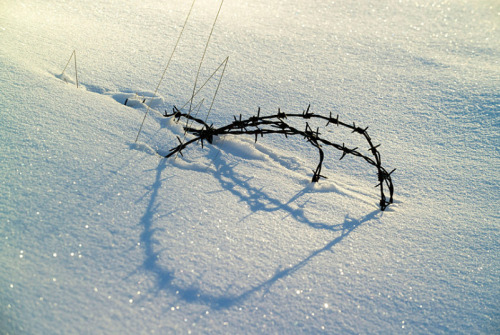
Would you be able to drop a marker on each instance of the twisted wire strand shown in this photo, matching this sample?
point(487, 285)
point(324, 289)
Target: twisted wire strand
point(275, 124)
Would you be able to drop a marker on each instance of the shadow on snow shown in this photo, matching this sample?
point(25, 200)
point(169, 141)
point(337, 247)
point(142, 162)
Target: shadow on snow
point(258, 201)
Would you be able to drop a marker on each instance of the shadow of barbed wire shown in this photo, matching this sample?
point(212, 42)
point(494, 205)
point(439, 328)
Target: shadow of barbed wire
point(258, 200)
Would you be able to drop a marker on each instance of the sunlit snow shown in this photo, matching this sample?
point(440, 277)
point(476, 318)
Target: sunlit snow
point(102, 235)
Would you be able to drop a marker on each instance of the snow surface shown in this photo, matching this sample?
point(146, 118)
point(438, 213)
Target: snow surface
point(100, 235)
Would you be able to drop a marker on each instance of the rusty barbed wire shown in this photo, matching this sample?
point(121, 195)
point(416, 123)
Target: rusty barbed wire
point(258, 125)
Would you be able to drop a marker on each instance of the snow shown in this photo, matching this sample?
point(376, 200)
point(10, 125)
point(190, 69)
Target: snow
point(100, 234)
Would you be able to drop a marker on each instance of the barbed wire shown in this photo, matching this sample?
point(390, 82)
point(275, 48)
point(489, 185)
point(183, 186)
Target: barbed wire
point(258, 125)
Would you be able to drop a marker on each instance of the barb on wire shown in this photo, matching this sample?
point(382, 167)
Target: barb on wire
point(275, 124)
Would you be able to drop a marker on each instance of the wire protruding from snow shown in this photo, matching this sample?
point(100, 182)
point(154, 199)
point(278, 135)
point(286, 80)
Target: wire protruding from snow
point(275, 124)
point(73, 55)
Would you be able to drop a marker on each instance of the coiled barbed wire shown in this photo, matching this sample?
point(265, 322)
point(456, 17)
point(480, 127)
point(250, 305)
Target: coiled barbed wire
point(258, 125)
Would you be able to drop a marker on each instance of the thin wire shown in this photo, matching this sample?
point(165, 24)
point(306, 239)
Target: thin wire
point(165, 71)
point(217, 89)
point(208, 114)
point(76, 71)
point(199, 69)
point(197, 109)
point(73, 54)
point(224, 62)
point(69, 60)
point(204, 84)
point(203, 57)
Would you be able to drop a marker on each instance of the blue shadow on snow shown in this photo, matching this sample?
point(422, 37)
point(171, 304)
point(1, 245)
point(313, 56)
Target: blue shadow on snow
point(258, 201)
